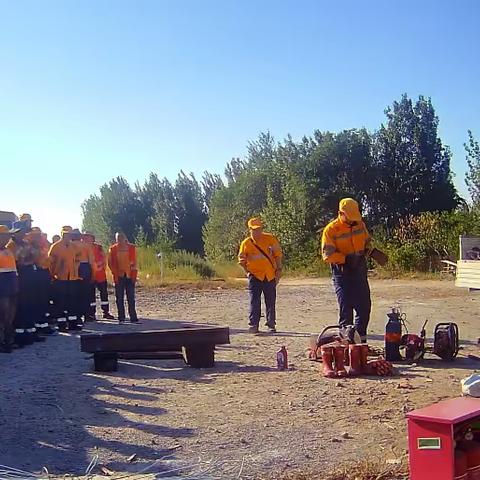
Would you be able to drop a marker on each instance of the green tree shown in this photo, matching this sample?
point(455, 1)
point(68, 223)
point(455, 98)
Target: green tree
point(472, 177)
point(411, 166)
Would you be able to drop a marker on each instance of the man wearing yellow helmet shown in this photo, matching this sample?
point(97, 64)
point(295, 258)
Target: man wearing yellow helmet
point(345, 244)
point(260, 256)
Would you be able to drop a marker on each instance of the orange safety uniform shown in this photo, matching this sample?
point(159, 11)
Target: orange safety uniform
point(100, 263)
point(340, 239)
point(250, 257)
point(123, 263)
point(64, 260)
point(43, 246)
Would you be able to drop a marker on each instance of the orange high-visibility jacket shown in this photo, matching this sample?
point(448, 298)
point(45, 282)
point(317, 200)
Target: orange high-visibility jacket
point(340, 239)
point(115, 264)
point(255, 262)
point(100, 263)
point(64, 260)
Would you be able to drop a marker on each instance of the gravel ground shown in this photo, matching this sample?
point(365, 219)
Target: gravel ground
point(241, 419)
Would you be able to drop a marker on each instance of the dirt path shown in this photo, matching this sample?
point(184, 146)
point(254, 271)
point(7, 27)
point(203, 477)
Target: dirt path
point(242, 415)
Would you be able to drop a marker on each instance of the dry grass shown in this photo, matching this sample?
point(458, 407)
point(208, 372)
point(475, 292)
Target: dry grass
point(364, 470)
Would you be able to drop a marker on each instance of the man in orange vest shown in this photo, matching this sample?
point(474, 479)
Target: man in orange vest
point(100, 279)
point(25, 255)
point(260, 256)
point(8, 291)
point(345, 246)
point(63, 260)
point(42, 281)
point(122, 260)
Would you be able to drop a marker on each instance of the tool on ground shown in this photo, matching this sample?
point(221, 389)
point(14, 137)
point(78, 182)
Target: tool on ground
point(331, 334)
point(413, 344)
point(446, 341)
point(393, 335)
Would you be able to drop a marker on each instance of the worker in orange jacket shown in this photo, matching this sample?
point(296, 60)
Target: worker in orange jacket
point(64, 258)
point(345, 246)
point(122, 261)
point(42, 281)
point(25, 255)
point(100, 279)
point(8, 291)
point(260, 256)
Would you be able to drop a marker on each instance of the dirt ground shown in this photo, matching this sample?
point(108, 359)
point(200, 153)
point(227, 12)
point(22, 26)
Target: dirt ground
point(241, 419)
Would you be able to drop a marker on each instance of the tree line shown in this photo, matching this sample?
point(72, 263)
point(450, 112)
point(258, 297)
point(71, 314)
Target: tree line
point(396, 172)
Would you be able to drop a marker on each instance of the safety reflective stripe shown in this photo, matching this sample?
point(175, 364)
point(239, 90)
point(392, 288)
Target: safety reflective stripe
point(51, 302)
point(42, 325)
point(31, 330)
point(38, 325)
point(47, 314)
point(72, 317)
point(256, 257)
point(93, 304)
point(349, 234)
point(61, 319)
point(104, 303)
point(8, 270)
point(19, 330)
point(55, 327)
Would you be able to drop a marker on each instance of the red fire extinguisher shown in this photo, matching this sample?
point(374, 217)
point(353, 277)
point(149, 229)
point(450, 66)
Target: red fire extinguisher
point(282, 359)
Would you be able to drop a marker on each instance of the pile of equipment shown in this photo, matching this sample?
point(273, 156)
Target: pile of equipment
point(342, 354)
point(401, 346)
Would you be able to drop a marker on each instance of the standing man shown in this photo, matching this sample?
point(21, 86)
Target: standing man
point(63, 260)
point(99, 279)
point(85, 288)
point(260, 256)
point(345, 245)
point(42, 281)
point(25, 255)
point(8, 291)
point(122, 260)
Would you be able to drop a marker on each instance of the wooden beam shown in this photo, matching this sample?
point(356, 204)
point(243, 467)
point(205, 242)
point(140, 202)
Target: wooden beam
point(154, 340)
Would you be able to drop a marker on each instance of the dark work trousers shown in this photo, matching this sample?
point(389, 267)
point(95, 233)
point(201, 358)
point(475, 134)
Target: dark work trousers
point(102, 289)
point(269, 289)
point(8, 306)
point(86, 289)
point(25, 315)
point(66, 300)
point(353, 293)
point(125, 285)
point(42, 299)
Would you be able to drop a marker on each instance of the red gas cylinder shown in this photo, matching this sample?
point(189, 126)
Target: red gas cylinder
point(461, 465)
point(472, 449)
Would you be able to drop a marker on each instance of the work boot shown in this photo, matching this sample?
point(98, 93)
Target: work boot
point(108, 316)
point(355, 359)
point(327, 359)
point(339, 353)
point(253, 329)
point(364, 358)
point(346, 358)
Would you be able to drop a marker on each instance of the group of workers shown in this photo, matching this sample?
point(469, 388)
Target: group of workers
point(345, 245)
point(48, 287)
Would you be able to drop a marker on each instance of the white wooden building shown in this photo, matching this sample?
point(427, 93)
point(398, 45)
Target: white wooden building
point(468, 265)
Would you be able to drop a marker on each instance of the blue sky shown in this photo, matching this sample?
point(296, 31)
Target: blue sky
point(93, 89)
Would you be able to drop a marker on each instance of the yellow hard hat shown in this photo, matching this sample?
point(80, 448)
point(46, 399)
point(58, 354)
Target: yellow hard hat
point(349, 207)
